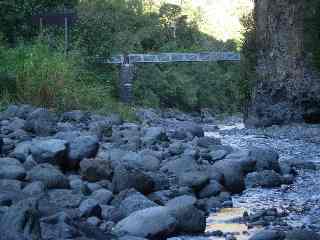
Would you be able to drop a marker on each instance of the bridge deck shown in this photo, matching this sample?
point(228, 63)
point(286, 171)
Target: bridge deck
point(172, 57)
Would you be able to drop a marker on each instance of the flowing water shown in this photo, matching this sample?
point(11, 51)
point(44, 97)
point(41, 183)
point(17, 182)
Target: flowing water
point(300, 201)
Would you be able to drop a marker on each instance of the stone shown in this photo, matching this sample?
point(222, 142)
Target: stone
point(154, 223)
point(10, 184)
point(75, 116)
point(189, 218)
point(80, 148)
point(146, 162)
point(50, 176)
point(41, 122)
point(126, 177)
point(212, 189)
point(266, 159)
point(267, 178)
point(95, 170)
point(53, 151)
point(90, 208)
point(34, 188)
point(65, 198)
point(154, 135)
point(94, 221)
point(302, 235)
point(195, 180)
point(111, 213)
point(102, 196)
point(206, 142)
point(268, 235)
point(11, 168)
point(161, 197)
point(21, 221)
point(22, 151)
point(134, 202)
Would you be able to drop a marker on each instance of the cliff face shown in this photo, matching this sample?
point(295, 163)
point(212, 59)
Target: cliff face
point(286, 89)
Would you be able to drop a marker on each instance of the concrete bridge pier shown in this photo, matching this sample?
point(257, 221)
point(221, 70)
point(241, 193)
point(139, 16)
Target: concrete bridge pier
point(127, 75)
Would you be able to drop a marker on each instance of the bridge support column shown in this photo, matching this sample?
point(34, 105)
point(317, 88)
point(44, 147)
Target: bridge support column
point(126, 83)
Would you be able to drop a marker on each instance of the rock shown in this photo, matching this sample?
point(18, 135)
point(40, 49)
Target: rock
point(154, 135)
point(265, 178)
point(266, 159)
point(94, 221)
point(50, 176)
point(190, 219)
point(195, 180)
point(102, 196)
point(34, 188)
point(111, 213)
point(95, 170)
point(194, 129)
point(22, 151)
point(126, 177)
point(65, 198)
point(206, 142)
point(268, 235)
point(154, 223)
point(75, 116)
point(212, 189)
point(147, 115)
point(176, 148)
point(217, 155)
point(1, 145)
point(180, 165)
point(90, 208)
point(41, 122)
point(302, 235)
point(146, 162)
point(53, 151)
point(161, 197)
point(234, 168)
point(10, 184)
point(134, 202)
point(21, 222)
point(11, 168)
point(80, 148)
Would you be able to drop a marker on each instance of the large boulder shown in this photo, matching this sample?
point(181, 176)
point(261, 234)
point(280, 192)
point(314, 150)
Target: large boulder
point(50, 176)
point(180, 165)
point(126, 177)
point(41, 122)
point(268, 235)
point(95, 170)
point(22, 150)
point(266, 158)
point(267, 179)
point(195, 180)
point(234, 168)
point(11, 168)
point(146, 162)
point(53, 151)
point(65, 198)
point(135, 201)
point(189, 218)
point(21, 222)
point(151, 223)
point(213, 188)
point(102, 196)
point(80, 148)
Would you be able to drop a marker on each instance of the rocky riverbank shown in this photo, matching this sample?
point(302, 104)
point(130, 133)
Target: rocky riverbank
point(78, 175)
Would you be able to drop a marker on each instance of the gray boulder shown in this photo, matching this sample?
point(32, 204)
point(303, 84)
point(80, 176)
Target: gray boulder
point(145, 161)
point(102, 196)
point(154, 135)
point(206, 142)
point(89, 208)
point(151, 223)
point(22, 151)
point(11, 168)
point(34, 188)
point(265, 158)
point(189, 218)
point(95, 170)
point(302, 235)
point(196, 180)
point(126, 177)
point(53, 151)
point(212, 189)
point(21, 222)
point(50, 176)
point(41, 122)
point(65, 198)
point(80, 148)
point(268, 235)
point(267, 179)
point(10, 184)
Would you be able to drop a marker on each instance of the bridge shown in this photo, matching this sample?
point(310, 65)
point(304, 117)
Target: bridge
point(127, 65)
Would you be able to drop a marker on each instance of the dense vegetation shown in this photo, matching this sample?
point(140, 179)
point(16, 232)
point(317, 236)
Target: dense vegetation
point(35, 70)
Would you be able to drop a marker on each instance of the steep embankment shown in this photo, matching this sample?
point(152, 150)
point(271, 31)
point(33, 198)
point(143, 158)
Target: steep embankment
point(286, 89)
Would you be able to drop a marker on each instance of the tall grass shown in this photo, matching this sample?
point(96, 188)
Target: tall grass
point(44, 77)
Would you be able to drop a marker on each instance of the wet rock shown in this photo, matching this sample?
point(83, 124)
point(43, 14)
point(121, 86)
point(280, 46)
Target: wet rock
point(268, 235)
point(126, 177)
point(41, 122)
point(89, 208)
point(151, 223)
point(11, 168)
point(265, 178)
point(190, 219)
point(34, 188)
point(102, 196)
point(50, 176)
point(266, 159)
point(95, 170)
point(302, 235)
point(21, 222)
point(80, 148)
